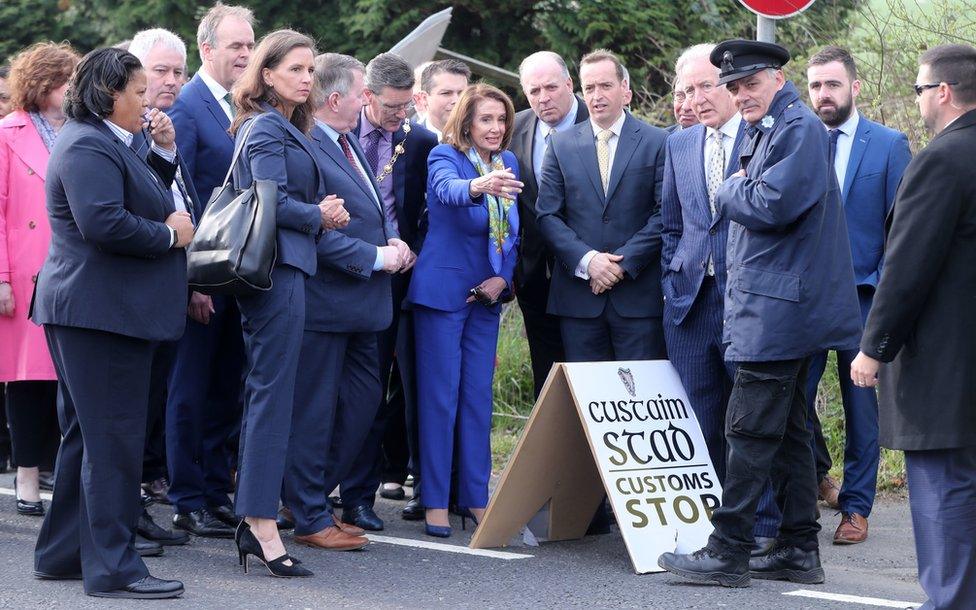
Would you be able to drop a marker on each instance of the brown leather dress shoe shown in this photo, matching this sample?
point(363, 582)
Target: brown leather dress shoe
point(333, 539)
point(828, 491)
point(853, 528)
point(348, 528)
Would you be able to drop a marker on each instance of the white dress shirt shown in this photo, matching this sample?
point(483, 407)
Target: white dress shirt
point(845, 141)
point(729, 130)
point(430, 126)
point(582, 269)
point(218, 92)
point(539, 143)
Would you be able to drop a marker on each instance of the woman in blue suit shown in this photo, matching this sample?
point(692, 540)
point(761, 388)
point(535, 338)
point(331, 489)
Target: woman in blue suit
point(463, 271)
point(274, 115)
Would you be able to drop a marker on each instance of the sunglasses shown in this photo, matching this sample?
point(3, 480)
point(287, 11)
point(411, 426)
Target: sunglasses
point(920, 88)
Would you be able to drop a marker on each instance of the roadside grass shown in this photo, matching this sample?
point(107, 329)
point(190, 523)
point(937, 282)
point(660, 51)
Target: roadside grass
point(514, 401)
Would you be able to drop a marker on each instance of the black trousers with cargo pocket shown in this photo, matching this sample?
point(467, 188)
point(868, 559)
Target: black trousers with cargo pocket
point(768, 438)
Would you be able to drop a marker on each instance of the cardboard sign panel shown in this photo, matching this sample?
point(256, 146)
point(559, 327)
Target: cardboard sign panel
point(625, 429)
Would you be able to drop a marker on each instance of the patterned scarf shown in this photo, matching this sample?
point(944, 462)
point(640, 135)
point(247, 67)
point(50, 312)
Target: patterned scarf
point(44, 129)
point(503, 223)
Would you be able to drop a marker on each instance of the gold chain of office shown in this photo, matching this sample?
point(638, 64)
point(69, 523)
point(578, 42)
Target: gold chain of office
point(399, 150)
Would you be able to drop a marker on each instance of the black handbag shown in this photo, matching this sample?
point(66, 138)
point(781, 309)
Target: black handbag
point(234, 247)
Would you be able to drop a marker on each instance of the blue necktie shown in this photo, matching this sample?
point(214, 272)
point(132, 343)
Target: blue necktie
point(832, 148)
point(372, 151)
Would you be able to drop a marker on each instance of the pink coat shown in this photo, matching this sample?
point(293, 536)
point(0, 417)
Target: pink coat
point(24, 238)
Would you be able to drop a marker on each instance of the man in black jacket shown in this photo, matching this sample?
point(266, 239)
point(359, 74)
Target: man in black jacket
point(923, 324)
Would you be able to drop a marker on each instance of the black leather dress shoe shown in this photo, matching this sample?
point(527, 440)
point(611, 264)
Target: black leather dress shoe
point(413, 510)
point(150, 530)
point(763, 545)
point(286, 519)
point(149, 587)
point(31, 509)
point(364, 517)
point(202, 523)
point(147, 548)
point(788, 563)
point(335, 501)
point(45, 481)
point(225, 514)
point(706, 565)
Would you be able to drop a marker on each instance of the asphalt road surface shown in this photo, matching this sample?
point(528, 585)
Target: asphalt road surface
point(403, 568)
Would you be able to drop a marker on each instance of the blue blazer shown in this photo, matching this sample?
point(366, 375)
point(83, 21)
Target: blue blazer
point(201, 136)
point(455, 255)
point(691, 234)
point(879, 156)
point(790, 279)
point(277, 150)
point(110, 266)
point(575, 217)
point(345, 294)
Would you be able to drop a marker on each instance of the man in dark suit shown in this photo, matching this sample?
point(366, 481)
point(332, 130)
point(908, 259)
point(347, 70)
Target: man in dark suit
point(598, 210)
point(554, 108)
point(204, 403)
point(922, 323)
point(402, 180)
point(693, 275)
point(790, 294)
point(869, 160)
point(348, 302)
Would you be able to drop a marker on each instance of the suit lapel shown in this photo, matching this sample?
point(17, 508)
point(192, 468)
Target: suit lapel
point(586, 147)
point(697, 160)
point(29, 147)
point(626, 145)
point(862, 137)
point(214, 107)
point(527, 142)
point(139, 139)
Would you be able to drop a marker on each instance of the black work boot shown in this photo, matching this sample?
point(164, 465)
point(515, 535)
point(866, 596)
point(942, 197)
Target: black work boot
point(785, 562)
point(707, 565)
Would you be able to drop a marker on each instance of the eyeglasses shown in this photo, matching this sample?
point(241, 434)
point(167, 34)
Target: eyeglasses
point(920, 88)
point(395, 108)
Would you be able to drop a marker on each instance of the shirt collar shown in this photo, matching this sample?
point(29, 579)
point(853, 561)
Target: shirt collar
point(328, 130)
point(616, 128)
point(730, 128)
point(849, 126)
point(366, 127)
point(120, 133)
point(430, 127)
point(568, 121)
point(216, 88)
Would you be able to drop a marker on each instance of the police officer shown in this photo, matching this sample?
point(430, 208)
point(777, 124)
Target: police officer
point(790, 294)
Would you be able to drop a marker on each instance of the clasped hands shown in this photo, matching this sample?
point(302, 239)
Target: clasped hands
point(334, 214)
point(500, 183)
point(604, 271)
point(397, 256)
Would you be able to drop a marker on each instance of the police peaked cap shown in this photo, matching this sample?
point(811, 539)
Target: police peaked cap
point(741, 58)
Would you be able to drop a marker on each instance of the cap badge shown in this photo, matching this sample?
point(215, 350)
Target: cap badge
point(727, 62)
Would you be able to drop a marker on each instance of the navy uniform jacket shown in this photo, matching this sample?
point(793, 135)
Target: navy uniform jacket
point(691, 233)
point(277, 150)
point(345, 294)
point(575, 216)
point(110, 266)
point(790, 280)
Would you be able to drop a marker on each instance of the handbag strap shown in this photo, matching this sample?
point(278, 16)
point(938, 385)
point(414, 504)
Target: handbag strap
point(239, 148)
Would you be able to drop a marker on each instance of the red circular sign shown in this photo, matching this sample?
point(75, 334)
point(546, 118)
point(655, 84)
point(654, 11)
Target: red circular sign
point(776, 9)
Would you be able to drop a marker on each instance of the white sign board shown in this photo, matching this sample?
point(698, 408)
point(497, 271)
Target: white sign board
point(650, 453)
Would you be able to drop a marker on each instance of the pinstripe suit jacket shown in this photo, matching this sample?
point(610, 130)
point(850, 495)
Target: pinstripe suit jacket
point(691, 233)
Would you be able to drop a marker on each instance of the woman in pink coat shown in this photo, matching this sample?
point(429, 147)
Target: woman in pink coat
point(38, 78)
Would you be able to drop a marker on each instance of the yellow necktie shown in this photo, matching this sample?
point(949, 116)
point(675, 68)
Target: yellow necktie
point(603, 156)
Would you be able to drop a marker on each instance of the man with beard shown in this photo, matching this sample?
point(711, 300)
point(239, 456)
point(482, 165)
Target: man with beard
point(869, 160)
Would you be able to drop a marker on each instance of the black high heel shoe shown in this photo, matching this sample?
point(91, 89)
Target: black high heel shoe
point(31, 509)
point(465, 514)
point(248, 544)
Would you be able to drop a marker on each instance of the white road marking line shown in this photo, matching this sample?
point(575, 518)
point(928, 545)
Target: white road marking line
point(10, 492)
point(855, 599)
point(449, 548)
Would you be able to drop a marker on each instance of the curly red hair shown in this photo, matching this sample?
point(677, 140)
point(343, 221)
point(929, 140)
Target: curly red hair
point(38, 70)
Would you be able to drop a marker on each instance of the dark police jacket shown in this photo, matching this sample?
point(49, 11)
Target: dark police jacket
point(790, 289)
point(923, 320)
point(110, 266)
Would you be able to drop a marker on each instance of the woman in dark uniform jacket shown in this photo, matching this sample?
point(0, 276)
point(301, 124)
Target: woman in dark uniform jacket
point(113, 286)
point(274, 115)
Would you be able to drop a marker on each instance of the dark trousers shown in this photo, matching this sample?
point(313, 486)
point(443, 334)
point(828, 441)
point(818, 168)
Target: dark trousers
point(154, 457)
point(455, 367)
point(541, 331)
point(697, 352)
point(861, 450)
point(767, 434)
point(942, 497)
point(102, 403)
point(611, 336)
point(32, 413)
point(204, 408)
point(4, 431)
point(273, 323)
point(336, 397)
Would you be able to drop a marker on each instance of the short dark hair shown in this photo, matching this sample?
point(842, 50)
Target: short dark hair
point(388, 70)
point(451, 66)
point(100, 74)
point(953, 63)
point(831, 54)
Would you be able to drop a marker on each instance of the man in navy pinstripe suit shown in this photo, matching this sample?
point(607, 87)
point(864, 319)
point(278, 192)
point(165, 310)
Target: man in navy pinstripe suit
point(693, 275)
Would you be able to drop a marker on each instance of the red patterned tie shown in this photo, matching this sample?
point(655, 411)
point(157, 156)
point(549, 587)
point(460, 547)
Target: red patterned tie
point(347, 150)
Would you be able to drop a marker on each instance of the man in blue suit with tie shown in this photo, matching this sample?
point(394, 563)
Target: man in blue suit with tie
point(204, 404)
point(349, 302)
point(869, 160)
point(699, 158)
